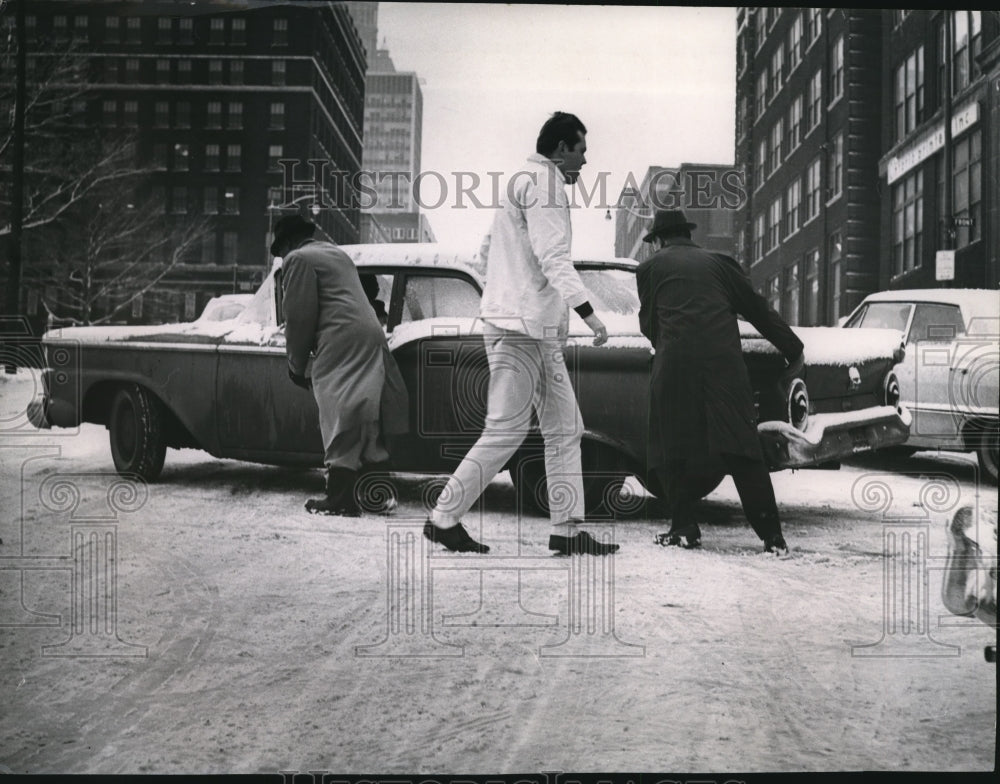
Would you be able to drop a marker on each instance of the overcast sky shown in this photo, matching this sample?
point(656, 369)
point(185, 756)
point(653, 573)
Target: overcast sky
point(653, 85)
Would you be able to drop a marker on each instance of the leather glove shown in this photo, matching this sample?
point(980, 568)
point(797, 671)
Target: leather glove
point(300, 381)
point(794, 369)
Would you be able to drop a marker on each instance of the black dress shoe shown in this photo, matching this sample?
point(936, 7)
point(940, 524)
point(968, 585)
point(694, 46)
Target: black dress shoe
point(456, 538)
point(776, 545)
point(672, 538)
point(339, 507)
point(580, 544)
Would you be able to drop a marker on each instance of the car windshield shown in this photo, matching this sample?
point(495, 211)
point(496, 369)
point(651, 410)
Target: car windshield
point(882, 315)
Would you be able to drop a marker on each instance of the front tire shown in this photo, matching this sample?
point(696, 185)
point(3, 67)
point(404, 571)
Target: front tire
point(136, 431)
point(987, 454)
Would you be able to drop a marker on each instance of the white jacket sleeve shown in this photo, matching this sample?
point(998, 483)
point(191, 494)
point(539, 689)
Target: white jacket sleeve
point(546, 212)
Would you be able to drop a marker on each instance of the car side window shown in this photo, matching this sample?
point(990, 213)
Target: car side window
point(433, 296)
point(933, 321)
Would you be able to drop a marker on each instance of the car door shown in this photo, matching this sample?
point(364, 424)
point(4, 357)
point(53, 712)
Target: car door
point(436, 338)
point(932, 339)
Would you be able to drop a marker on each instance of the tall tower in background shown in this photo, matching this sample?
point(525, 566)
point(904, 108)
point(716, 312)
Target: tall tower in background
point(393, 125)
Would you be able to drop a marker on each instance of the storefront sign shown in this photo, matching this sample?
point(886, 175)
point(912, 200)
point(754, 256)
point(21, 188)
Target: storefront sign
point(931, 142)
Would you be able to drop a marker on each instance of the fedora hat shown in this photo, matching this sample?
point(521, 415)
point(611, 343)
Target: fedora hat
point(291, 226)
point(667, 220)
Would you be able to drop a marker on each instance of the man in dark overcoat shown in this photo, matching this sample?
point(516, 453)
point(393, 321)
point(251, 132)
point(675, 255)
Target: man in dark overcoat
point(701, 402)
point(359, 391)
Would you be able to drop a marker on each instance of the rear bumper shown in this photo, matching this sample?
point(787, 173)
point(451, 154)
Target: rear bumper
point(831, 437)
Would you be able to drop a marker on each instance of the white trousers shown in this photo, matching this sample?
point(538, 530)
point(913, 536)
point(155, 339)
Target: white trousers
point(526, 375)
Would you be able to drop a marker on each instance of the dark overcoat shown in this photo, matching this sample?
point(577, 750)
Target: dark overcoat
point(701, 401)
point(356, 382)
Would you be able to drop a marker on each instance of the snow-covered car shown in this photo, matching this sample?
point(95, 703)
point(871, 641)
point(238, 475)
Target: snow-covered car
point(223, 387)
point(950, 376)
point(224, 307)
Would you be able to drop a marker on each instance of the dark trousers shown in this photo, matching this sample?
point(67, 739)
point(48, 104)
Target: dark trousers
point(753, 483)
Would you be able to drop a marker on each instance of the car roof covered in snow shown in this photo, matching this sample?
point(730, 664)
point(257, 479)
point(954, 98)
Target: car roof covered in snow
point(980, 302)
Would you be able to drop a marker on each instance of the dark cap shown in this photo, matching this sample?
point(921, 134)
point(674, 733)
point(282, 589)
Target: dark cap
point(667, 220)
point(291, 226)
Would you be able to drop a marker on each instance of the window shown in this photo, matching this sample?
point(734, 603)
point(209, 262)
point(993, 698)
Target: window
point(215, 71)
point(795, 124)
point(774, 224)
point(793, 203)
point(133, 27)
point(274, 154)
point(131, 70)
point(762, 91)
point(184, 71)
point(211, 157)
point(761, 162)
point(208, 247)
point(162, 70)
point(835, 167)
point(160, 155)
point(795, 42)
point(234, 154)
point(190, 304)
point(109, 113)
point(182, 157)
point(968, 188)
point(814, 25)
point(60, 28)
point(217, 31)
point(836, 248)
point(277, 72)
point(772, 291)
point(760, 27)
point(777, 70)
point(164, 31)
point(213, 114)
point(161, 114)
point(183, 118)
point(280, 32)
point(907, 223)
point(112, 29)
point(159, 199)
point(967, 45)
point(790, 300)
point(236, 72)
point(777, 136)
point(430, 296)
point(230, 247)
point(231, 200)
point(909, 93)
point(234, 119)
point(758, 238)
point(131, 113)
point(238, 34)
point(178, 199)
point(811, 304)
point(81, 28)
point(837, 69)
point(277, 115)
point(814, 107)
point(934, 321)
point(742, 116)
point(211, 200)
point(186, 31)
point(813, 190)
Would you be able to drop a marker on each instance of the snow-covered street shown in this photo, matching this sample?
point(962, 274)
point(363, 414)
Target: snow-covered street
point(243, 635)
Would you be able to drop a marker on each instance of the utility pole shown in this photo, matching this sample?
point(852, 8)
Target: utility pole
point(13, 303)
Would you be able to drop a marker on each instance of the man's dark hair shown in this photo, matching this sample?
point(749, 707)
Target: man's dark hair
point(560, 127)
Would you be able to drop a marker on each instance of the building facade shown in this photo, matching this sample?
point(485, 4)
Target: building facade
point(227, 102)
point(939, 142)
point(708, 193)
point(393, 128)
point(807, 138)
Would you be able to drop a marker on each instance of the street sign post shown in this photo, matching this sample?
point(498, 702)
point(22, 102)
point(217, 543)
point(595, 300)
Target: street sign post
point(944, 265)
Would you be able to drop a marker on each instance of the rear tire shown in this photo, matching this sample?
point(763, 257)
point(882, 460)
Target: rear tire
point(136, 431)
point(987, 454)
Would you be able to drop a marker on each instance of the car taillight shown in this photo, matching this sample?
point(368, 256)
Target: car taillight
point(890, 390)
point(798, 404)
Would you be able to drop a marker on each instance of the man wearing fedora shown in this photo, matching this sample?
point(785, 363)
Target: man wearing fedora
point(358, 388)
point(701, 402)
